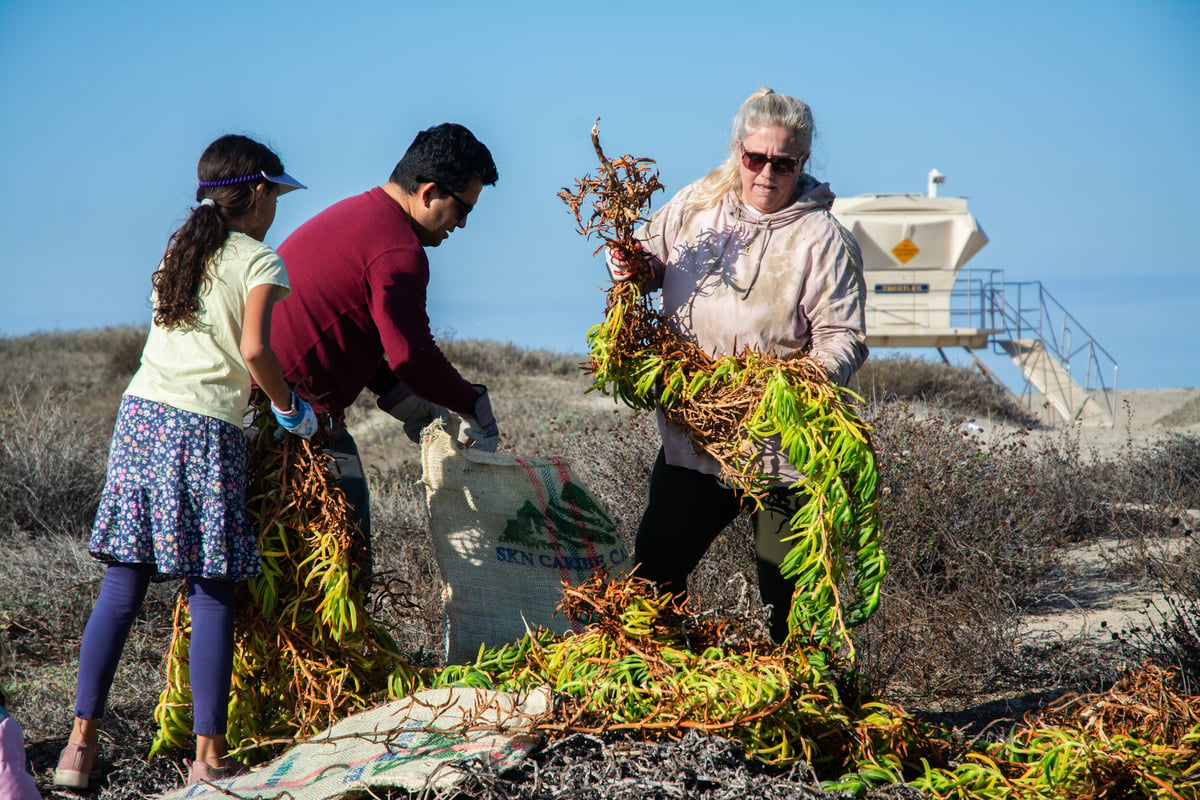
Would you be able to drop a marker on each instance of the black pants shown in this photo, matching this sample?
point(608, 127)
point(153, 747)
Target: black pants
point(347, 470)
point(685, 513)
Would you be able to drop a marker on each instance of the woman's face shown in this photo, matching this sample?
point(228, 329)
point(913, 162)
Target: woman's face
point(767, 185)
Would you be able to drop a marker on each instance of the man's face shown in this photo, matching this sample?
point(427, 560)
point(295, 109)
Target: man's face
point(440, 211)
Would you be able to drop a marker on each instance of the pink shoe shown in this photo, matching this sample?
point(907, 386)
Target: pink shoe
point(77, 765)
point(202, 772)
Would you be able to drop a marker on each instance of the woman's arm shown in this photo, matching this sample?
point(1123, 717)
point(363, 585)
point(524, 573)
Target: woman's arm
point(256, 345)
point(835, 304)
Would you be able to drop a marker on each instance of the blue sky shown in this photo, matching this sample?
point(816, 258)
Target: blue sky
point(1073, 129)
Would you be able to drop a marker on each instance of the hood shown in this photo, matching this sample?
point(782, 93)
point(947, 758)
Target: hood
point(811, 194)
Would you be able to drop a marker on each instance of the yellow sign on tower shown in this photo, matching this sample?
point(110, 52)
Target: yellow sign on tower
point(905, 251)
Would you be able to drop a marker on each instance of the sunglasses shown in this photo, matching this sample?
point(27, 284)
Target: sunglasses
point(464, 207)
point(780, 165)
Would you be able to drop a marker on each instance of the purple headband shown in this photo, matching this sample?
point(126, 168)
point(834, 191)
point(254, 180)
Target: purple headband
point(230, 181)
point(287, 182)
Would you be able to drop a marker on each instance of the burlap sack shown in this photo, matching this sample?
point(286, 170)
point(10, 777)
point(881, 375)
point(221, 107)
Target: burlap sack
point(406, 744)
point(507, 531)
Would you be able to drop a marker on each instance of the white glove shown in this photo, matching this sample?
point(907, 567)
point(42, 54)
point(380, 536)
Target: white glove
point(617, 269)
point(480, 429)
point(414, 411)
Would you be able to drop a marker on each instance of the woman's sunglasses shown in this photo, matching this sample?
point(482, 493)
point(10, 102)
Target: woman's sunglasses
point(780, 165)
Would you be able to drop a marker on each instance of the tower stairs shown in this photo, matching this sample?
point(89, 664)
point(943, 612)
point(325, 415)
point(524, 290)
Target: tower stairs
point(919, 295)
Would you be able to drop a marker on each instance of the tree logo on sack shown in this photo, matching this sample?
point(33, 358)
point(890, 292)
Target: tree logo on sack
point(573, 518)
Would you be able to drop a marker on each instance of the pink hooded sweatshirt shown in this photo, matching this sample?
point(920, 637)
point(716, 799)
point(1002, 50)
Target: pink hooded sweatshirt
point(732, 277)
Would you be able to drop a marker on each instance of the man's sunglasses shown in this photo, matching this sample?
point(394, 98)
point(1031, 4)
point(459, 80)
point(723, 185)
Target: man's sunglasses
point(780, 165)
point(464, 207)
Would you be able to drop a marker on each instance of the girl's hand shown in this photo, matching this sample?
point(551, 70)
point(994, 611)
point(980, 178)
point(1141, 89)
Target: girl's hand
point(300, 419)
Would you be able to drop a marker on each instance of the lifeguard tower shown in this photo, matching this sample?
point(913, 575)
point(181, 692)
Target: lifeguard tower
point(918, 295)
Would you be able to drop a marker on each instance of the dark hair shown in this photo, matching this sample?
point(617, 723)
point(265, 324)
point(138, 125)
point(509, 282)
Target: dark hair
point(184, 270)
point(448, 155)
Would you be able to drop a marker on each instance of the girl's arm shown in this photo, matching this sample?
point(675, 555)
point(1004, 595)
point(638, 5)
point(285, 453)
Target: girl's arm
point(256, 345)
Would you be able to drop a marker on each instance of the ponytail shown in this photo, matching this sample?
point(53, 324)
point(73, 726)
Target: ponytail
point(223, 193)
point(184, 272)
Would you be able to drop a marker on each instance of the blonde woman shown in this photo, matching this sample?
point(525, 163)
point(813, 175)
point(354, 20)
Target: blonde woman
point(748, 256)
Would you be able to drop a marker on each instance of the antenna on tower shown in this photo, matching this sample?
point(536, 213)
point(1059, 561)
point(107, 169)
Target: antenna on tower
point(936, 179)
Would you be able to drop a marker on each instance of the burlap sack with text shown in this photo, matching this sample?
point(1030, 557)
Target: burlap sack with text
point(507, 531)
point(411, 744)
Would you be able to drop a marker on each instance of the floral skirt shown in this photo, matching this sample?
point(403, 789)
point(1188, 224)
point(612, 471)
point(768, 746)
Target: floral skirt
point(175, 495)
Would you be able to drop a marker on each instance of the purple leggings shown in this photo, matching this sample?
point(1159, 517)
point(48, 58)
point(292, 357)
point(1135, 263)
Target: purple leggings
point(210, 656)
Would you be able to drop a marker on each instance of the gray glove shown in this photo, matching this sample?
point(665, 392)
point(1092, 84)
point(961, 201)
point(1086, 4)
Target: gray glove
point(480, 429)
point(414, 411)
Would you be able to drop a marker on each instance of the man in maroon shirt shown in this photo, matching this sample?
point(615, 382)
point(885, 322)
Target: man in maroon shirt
point(356, 315)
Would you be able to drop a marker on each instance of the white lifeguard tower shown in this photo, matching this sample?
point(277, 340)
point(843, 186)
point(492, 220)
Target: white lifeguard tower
point(918, 295)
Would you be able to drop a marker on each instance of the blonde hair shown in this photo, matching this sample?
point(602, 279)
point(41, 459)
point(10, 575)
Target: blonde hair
point(762, 109)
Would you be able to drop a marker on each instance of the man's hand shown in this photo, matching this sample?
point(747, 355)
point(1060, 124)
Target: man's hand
point(300, 419)
point(414, 411)
point(480, 429)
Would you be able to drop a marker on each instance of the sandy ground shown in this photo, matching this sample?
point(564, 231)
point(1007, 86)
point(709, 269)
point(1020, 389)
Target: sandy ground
point(1145, 415)
point(1094, 600)
point(1142, 417)
point(1150, 406)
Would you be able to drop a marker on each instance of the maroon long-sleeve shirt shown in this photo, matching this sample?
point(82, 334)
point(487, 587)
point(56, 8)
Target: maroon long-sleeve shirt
point(359, 277)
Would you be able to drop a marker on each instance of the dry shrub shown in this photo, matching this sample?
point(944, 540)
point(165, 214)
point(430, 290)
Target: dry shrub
point(406, 572)
point(1166, 473)
point(881, 380)
point(969, 528)
point(91, 367)
point(125, 354)
point(1173, 562)
point(481, 361)
point(1171, 636)
point(45, 625)
point(1187, 414)
point(1152, 495)
point(52, 465)
point(50, 584)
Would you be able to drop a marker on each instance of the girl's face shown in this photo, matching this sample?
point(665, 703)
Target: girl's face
point(771, 167)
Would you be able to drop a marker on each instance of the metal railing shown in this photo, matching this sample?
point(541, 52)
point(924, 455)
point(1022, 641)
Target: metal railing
point(973, 301)
point(1025, 310)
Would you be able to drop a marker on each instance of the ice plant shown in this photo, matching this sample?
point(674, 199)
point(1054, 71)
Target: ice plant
point(731, 406)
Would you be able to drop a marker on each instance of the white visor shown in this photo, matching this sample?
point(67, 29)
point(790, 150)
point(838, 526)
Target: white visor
point(286, 182)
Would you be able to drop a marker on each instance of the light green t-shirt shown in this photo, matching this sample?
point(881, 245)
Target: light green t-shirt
point(199, 368)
